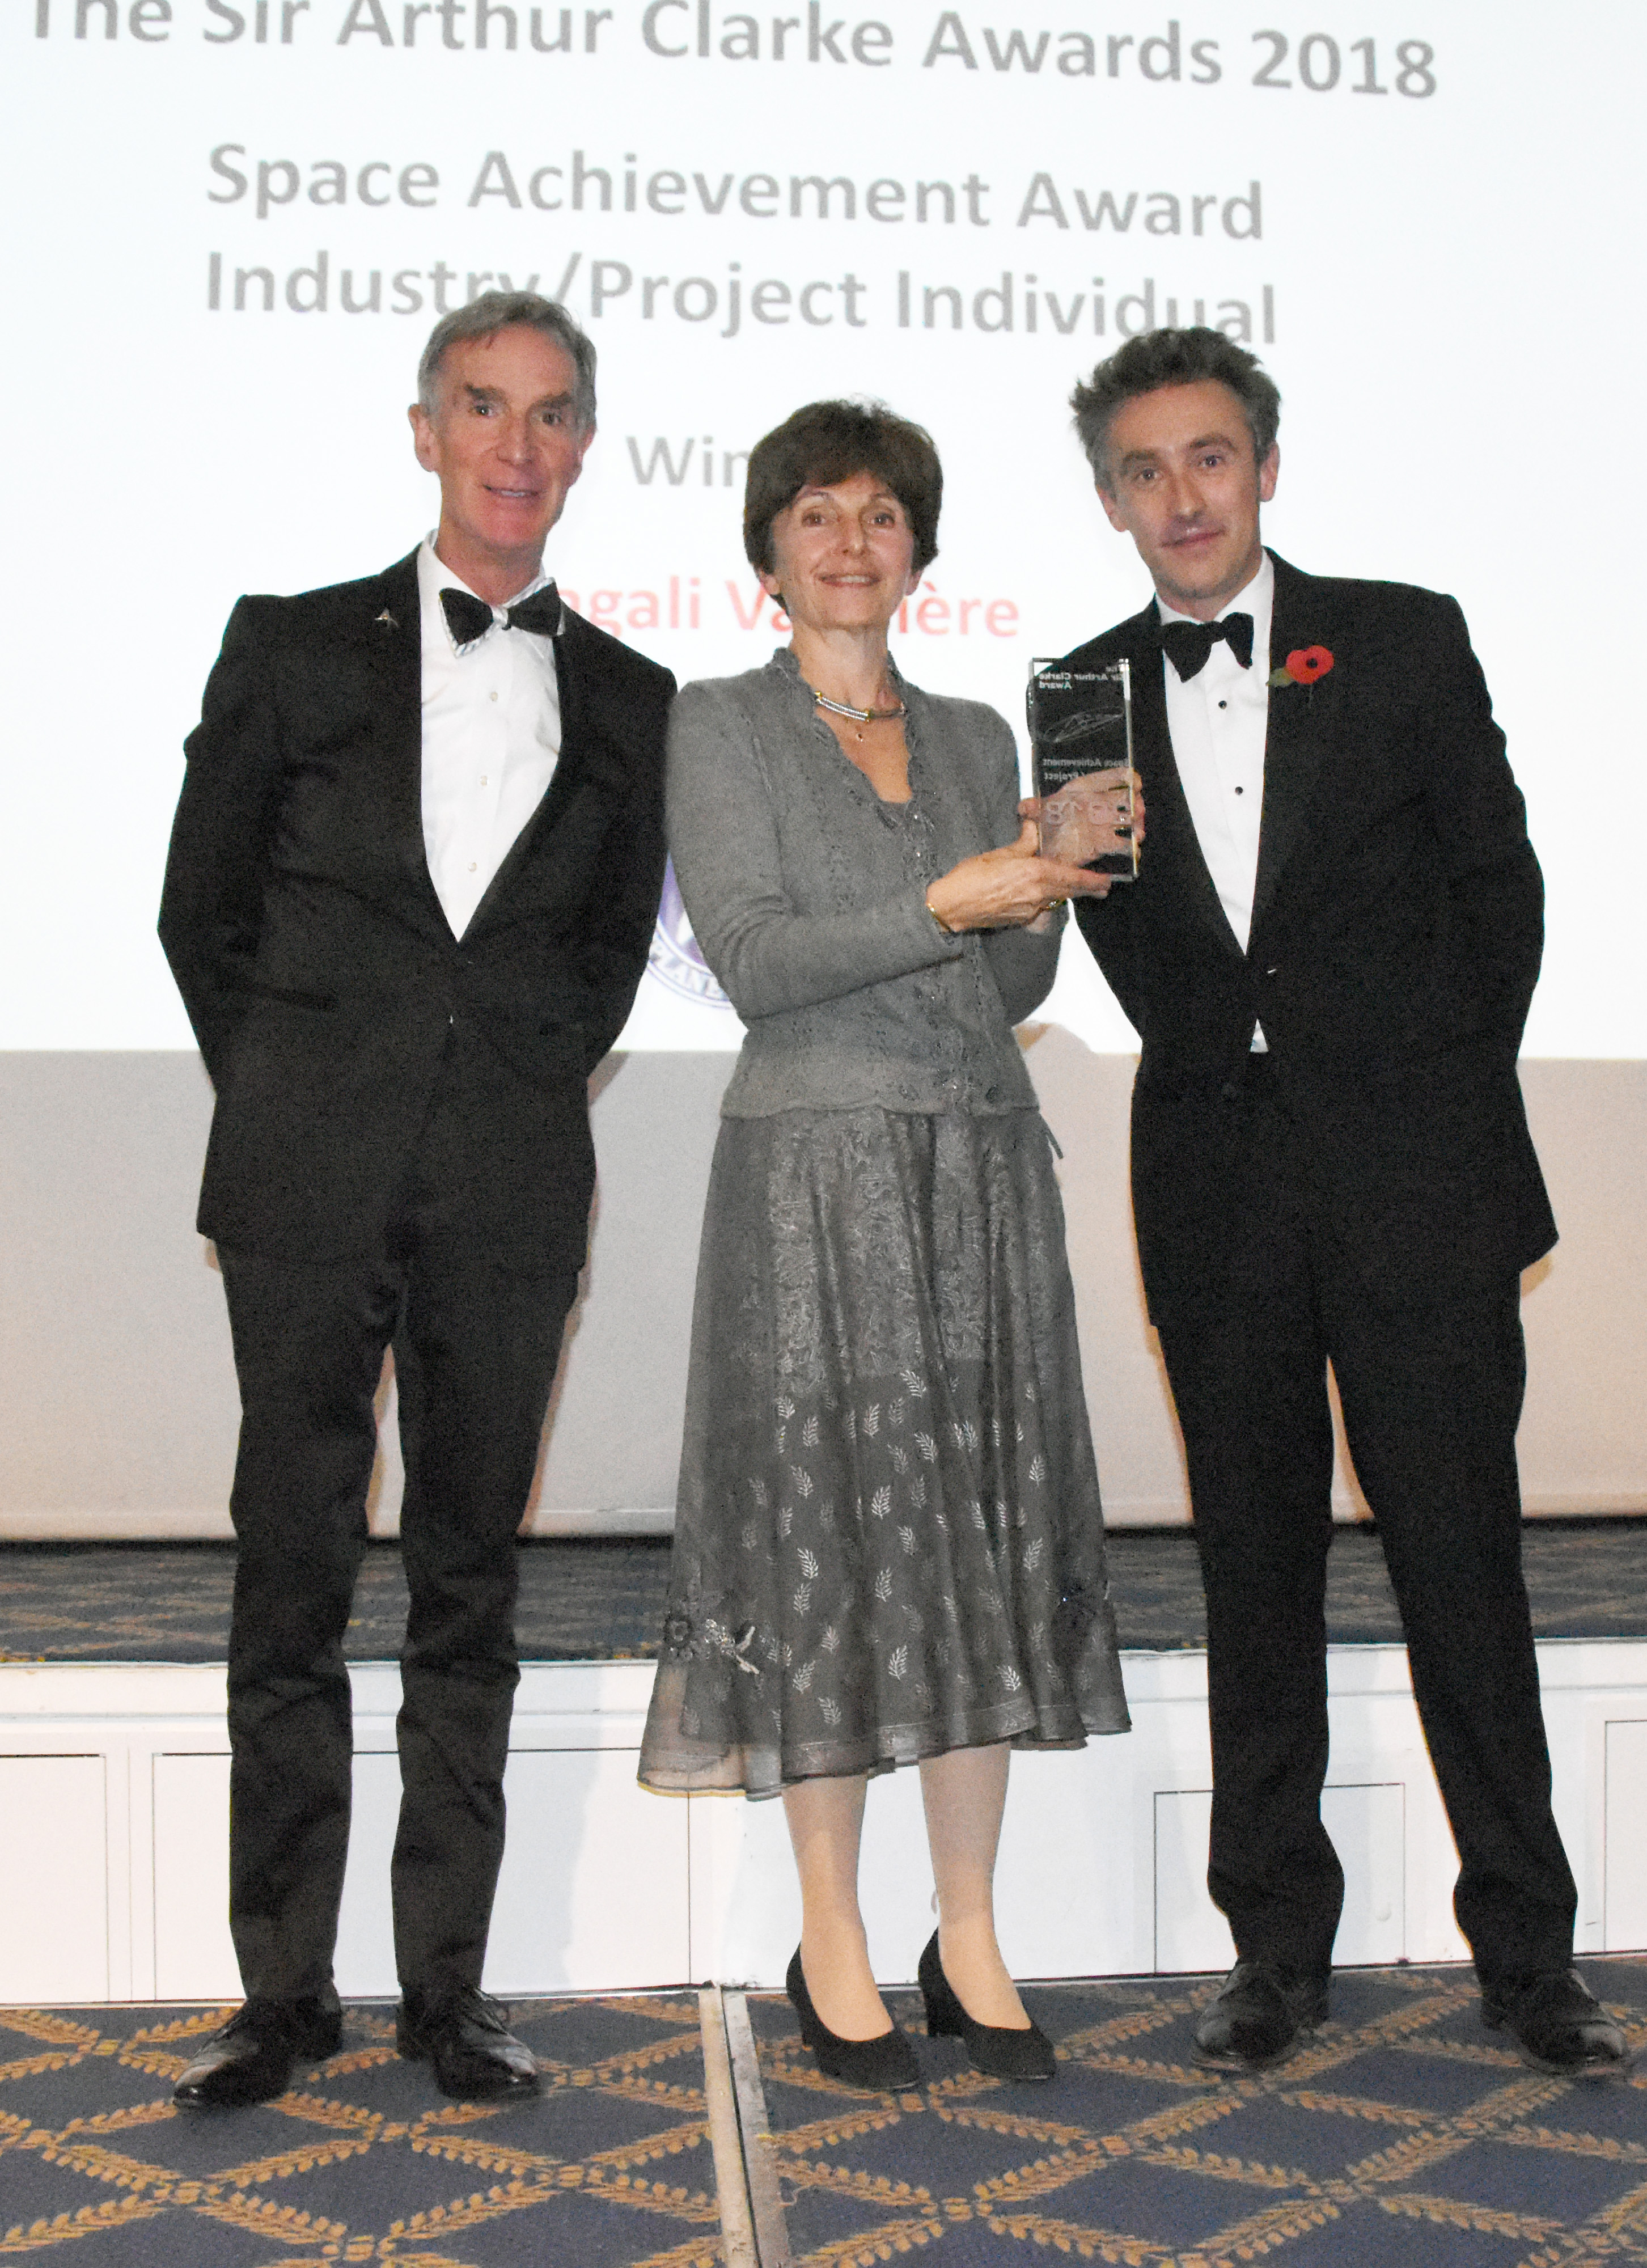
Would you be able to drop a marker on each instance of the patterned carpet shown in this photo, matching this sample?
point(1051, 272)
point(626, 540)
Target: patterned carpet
point(363, 2161)
point(1406, 2134)
point(602, 1599)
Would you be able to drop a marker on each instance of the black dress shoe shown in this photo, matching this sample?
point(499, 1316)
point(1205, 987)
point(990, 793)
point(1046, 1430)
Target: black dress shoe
point(466, 2036)
point(1257, 2018)
point(1556, 2024)
point(885, 2065)
point(999, 2050)
point(253, 2058)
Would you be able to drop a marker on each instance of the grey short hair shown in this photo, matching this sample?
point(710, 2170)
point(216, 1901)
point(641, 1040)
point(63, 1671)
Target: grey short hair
point(502, 310)
point(1158, 359)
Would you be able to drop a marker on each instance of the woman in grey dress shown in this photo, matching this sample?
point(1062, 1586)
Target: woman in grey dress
point(888, 1544)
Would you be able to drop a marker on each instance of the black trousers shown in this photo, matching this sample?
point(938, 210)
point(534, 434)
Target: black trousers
point(1430, 1400)
point(476, 1344)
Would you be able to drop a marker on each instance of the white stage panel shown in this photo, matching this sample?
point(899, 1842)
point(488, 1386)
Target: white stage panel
point(1368, 1829)
point(894, 1876)
point(1190, 1933)
point(593, 1895)
point(54, 1894)
point(193, 1954)
point(1051, 1908)
point(594, 1892)
point(365, 1929)
point(1625, 1892)
point(1097, 1879)
point(1368, 1826)
point(1102, 1868)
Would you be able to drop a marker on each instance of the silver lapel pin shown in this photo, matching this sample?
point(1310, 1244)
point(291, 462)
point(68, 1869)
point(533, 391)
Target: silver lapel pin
point(386, 616)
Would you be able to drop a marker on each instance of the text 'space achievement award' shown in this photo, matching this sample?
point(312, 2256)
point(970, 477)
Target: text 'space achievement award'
point(1080, 727)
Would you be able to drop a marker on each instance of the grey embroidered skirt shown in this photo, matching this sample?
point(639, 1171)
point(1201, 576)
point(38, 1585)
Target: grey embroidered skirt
point(888, 1540)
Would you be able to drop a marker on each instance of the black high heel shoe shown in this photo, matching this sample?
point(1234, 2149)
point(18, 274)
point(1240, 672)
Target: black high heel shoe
point(999, 2050)
point(885, 2065)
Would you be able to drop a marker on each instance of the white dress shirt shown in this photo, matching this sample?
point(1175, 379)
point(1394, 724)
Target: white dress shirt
point(491, 736)
point(1217, 722)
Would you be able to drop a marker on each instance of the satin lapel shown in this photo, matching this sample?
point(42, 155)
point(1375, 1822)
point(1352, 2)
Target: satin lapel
point(1300, 728)
point(391, 638)
point(1169, 831)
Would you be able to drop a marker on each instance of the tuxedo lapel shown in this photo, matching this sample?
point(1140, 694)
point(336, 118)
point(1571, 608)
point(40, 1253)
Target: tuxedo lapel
point(589, 758)
point(1300, 726)
point(390, 636)
point(592, 698)
point(1170, 836)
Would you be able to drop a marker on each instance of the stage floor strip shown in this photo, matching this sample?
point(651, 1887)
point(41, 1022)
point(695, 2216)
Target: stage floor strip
point(766, 2201)
point(738, 2230)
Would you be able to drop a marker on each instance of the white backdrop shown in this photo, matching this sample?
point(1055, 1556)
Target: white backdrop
point(1416, 210)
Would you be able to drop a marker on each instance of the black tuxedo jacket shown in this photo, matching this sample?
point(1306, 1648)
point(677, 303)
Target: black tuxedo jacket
point(323, 982)
point(1397, 931)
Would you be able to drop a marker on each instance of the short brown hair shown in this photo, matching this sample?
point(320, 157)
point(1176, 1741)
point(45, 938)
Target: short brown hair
point(829, 442)
point(1158, 359)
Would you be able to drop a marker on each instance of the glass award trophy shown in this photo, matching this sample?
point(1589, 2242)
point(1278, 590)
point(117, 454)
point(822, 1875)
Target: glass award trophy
point(1080, 728)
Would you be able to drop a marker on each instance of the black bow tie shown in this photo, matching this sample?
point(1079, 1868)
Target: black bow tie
point(1187, 645)
point(468, 618)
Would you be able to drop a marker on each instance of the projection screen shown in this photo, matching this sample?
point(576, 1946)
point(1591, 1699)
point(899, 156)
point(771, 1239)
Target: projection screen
point(232, 223)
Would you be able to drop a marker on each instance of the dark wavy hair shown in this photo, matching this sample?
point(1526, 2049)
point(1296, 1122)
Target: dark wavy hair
point(829, 442)
point(1158, 359)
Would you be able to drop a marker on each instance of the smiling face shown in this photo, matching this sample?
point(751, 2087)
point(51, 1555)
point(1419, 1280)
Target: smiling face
point(1183, 483)
point(504, 442)
point(842, 556)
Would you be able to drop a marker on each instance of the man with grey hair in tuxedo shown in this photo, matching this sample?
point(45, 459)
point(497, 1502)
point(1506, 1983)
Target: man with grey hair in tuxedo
point(411, 890)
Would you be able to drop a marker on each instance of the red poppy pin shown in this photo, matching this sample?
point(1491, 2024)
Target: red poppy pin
point(1303, 666)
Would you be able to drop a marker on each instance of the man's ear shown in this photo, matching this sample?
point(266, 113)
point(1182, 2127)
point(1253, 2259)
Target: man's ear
point(1267, 473)
point(1111, 511)
point(422, 435)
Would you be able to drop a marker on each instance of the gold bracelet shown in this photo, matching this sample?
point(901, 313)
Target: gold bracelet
point(943, 928)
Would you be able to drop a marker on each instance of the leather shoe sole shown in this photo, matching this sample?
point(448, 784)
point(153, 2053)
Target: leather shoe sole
point(1258, 2019)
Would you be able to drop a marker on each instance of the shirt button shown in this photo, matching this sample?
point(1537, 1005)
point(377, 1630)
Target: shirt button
point(483, 782)
point(472, 864)
point(1239, 790)
point(1224, 704)
point(491, 697)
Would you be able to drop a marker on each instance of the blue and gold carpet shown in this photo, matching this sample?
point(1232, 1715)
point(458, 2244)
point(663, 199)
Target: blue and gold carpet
point(1406, 2136)
point(363, 2161)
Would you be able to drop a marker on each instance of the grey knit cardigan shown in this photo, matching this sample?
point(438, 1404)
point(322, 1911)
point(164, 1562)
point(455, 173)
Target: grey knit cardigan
point(807, 896)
